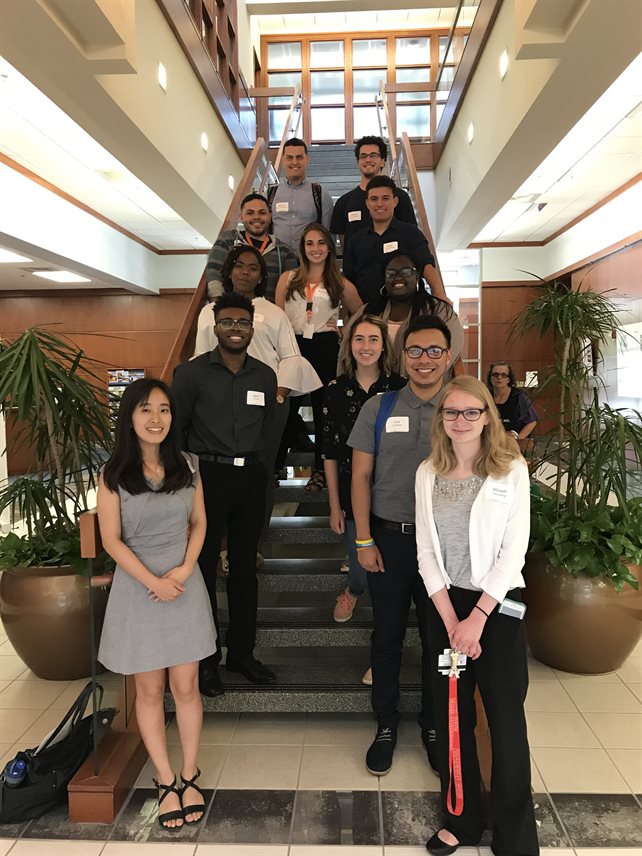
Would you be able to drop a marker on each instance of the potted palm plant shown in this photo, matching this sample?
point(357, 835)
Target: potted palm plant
point(583, 569)
point(54, 396)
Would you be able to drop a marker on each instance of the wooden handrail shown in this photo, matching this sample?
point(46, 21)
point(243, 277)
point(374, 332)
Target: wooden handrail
point(382, 101)
point(183, 345)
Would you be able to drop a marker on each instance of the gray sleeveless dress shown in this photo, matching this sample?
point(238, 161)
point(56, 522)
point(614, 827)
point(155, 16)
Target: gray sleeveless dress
point(138, 634)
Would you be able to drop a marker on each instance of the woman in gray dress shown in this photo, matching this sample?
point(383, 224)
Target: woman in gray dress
point(158, 619)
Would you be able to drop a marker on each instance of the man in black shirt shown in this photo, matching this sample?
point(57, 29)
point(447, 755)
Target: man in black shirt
point(364, 257)
point(350, 211)
point(225, 400)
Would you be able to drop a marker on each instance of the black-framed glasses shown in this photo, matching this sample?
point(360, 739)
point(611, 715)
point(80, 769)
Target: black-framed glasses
point(229, 323)
point(405, 272)
point(369, 156)
point(499, 374)
point(471, 414)
point(433, 351)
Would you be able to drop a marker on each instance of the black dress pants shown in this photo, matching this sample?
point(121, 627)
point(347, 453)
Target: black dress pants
point(234, 503)
point(391, 593)
point(322, 351)
point(501, 673)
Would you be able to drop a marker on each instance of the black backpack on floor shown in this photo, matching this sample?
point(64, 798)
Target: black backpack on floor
point(49, 768)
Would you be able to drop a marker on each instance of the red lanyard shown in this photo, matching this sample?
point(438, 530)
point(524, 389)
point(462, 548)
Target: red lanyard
point(454, 749)
point(261, 249)
point(309, 295)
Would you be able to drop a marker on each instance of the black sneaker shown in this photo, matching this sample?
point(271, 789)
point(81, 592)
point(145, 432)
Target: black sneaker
point(429, 739)
point(379, 755)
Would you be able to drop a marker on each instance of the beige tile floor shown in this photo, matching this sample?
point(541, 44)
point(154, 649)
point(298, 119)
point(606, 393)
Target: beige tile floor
point(585, 735)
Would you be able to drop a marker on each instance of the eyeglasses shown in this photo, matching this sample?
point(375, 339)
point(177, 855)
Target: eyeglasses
point(406, 272)
point(241, 323)
point(471, 414)
point(433, 351)
point(499, 374)
point(369, 156)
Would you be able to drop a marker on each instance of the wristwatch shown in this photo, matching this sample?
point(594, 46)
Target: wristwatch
point(280, 399)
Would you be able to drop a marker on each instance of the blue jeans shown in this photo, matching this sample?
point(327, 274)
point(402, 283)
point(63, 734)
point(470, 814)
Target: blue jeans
point(357, 576)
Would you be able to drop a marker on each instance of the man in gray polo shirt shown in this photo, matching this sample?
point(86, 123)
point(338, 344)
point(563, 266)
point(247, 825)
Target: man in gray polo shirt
point(386, 454)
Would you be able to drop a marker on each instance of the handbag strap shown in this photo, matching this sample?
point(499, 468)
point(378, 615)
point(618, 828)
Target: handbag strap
point(75, 712)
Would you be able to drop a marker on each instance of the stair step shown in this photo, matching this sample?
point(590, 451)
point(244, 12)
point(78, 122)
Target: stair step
point(299, 459)
point(301, 530)
point(298, 575)
point(301, 627)
point(327, 688)
point(289, 492)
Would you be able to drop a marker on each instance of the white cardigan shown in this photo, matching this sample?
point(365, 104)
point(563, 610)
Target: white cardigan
point(498, 532)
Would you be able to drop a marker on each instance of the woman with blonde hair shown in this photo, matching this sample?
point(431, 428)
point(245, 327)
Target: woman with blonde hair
point(472, 518)
point(312, 297)
point(366, 362)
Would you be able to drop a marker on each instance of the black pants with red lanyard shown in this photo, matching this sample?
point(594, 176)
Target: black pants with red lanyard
point(501, 672)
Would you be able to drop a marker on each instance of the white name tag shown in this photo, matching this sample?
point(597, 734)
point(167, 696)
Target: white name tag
point(397, 424)
point(282, 206)
point(354, 215)
point(308, 331)
point(390, 247)
point(497, 493)
point(256, 397)
point(258, 318)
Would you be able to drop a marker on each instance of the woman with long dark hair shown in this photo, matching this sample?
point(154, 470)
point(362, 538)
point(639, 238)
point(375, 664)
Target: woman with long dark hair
point(312, 297)
point(472, 524)
point(158, 622)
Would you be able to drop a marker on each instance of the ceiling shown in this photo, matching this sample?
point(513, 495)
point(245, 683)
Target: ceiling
point(18, 276)
point(38, 135)
point(363, 20)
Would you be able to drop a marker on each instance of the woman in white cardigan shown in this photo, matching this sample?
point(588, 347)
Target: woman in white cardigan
point(472, 516)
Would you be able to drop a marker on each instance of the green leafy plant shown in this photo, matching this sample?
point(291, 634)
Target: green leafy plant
point(59, 402)
point(589, 524)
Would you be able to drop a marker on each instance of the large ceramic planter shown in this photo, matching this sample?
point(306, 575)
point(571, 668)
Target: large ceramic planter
point(581, 624)
point(45, 613)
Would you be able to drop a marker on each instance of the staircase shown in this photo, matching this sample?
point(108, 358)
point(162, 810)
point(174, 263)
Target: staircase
point(335, 167)
point(319, 663)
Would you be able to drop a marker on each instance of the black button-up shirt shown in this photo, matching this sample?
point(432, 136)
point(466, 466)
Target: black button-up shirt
point(344, 398)
point(363, 258)
point(355, 201)
point(214, 415)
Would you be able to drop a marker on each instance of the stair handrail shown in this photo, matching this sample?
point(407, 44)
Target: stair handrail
point(385, 126)
point(291, 127)
point(182, 347)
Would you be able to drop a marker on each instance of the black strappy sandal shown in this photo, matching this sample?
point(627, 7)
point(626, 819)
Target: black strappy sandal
point(177, 813)
point(192, 809)
point(316, 482)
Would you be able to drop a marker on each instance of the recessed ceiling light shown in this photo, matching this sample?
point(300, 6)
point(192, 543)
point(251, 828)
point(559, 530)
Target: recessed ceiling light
point(470, 133)
point(204, 141)
point(503, 63)
point(60, 276)
point(162, 76)
point(8, 258)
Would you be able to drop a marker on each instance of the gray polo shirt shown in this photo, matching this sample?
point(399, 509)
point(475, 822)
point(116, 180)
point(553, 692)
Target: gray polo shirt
point(404, 444)
point(293, 208)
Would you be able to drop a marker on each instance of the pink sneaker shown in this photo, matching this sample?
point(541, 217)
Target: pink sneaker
point(344, 608)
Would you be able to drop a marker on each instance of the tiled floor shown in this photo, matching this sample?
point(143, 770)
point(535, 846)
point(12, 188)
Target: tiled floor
point(296, 785)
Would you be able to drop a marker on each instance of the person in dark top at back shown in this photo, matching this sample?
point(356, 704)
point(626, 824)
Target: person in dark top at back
point(350, 211)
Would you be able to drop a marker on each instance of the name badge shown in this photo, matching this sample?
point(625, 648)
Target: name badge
point(258, 318)
point(254, 397)
point(308, 331)
point(497, 493)
point(397, 424)
point(390, 247)
point(354, 215)
point(282, 206)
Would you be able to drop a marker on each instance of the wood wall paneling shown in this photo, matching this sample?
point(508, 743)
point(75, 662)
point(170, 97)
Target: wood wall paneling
point(118, 330)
